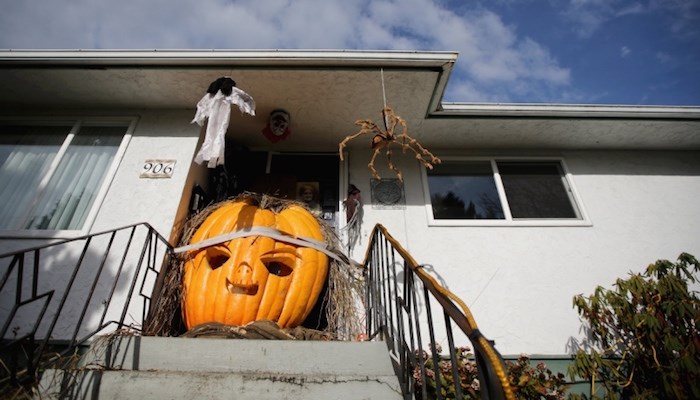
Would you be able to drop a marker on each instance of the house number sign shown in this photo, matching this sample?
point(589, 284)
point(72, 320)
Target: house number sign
point(157, 169)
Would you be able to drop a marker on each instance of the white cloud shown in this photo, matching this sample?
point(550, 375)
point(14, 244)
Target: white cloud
point(684, 15)
point(588, 16)
point(491, 54)
point(625, 51)
point(663, 58)
point(631, 9)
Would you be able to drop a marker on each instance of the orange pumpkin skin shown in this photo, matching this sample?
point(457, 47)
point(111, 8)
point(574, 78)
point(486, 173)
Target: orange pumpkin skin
point(253, 278)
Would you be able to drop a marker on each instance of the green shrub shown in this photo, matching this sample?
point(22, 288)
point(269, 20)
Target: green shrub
point(643, 335)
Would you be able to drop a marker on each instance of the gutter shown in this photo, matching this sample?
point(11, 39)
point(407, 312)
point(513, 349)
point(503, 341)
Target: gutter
point(424, 59)
point(525, 110)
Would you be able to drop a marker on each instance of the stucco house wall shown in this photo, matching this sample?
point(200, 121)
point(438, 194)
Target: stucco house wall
point(131, 199)
point(519, 281)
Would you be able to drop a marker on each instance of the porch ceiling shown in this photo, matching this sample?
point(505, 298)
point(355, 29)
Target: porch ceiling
point(325, 93)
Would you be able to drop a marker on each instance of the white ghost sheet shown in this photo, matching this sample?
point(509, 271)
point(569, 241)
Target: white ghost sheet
point(217, 109)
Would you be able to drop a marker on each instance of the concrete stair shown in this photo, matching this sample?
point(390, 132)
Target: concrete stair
point(135, 367)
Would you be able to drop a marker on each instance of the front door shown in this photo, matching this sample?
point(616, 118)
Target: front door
point(312, 178)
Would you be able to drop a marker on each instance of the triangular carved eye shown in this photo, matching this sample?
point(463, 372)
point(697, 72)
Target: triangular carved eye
point(217, 256)
point(277, 268)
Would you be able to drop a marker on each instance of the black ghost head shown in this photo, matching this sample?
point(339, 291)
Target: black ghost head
point(225, 84)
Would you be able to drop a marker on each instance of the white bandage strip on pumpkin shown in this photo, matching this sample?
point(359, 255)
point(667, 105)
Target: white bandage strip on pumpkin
point(261, 231)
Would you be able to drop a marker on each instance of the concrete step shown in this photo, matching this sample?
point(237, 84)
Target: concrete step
point(134, 367)
point(238, 355)
point(152, 385)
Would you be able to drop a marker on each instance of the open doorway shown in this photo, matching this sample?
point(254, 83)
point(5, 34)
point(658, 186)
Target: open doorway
point(308, 177)
point(313, 178)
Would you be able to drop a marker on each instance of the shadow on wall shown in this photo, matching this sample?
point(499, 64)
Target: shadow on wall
point(70, 291)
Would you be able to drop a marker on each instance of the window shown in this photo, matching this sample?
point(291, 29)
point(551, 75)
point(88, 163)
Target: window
point(497, 192)
point(53, 175)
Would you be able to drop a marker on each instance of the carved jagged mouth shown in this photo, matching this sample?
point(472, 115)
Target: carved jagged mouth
point(242, 288)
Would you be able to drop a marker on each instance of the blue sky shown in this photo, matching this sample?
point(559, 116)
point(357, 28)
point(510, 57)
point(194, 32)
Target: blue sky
point(643, 52)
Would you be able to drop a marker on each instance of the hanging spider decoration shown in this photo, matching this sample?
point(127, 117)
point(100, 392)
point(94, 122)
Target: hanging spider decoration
point(383, 139)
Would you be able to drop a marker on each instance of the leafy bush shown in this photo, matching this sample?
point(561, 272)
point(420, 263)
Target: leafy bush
point(536, 382)
point(528, 382)
point(643, 334)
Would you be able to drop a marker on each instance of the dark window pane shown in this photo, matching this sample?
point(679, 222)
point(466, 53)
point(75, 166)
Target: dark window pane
point(464, 190)
point(536, 190)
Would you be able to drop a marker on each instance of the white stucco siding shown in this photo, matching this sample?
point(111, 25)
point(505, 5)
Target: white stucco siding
point(519, 281)
point(131, 199)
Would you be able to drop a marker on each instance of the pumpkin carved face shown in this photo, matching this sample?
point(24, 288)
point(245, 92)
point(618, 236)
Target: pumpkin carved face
point(253, 278)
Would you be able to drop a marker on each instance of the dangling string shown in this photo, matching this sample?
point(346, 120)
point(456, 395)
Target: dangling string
point(386, 117)
point(383, 89)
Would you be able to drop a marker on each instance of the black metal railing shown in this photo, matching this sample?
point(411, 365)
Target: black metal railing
point(400, 294)
point(55, 297)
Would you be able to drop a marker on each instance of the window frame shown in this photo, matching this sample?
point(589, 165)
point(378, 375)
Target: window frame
point(76, 123)
point(509, 220)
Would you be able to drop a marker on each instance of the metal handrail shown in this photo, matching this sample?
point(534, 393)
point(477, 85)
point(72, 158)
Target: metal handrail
point(91, 257)
point(392, 314)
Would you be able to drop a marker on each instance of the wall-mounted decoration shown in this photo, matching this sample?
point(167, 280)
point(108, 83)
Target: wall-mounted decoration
point(155, 169)
point(277, 127)
point(353, 215)
point(387, 194)
point(215, 107)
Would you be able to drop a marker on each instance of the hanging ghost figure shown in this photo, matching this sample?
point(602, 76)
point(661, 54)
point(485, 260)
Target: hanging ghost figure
point(216, 107)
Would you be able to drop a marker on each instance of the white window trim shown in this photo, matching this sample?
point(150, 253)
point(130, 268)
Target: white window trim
point(508, 221)
point(78, 122)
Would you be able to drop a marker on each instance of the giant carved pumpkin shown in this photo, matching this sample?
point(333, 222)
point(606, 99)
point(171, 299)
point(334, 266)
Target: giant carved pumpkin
point(257, 277)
